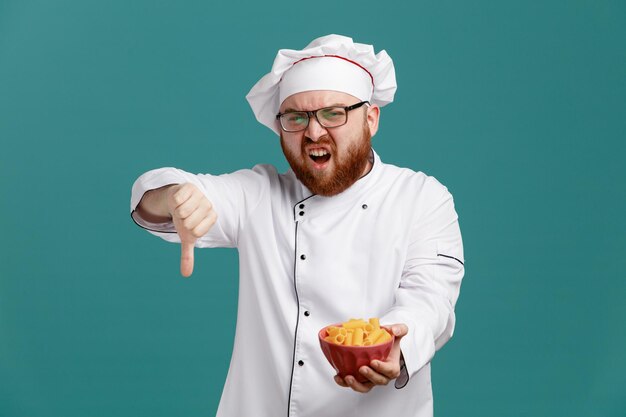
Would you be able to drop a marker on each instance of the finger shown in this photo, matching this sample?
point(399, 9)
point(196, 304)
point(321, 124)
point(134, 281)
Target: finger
point(186, 258)
point(189, 206)
point(194, 219)
point(358, 386)
point(339, 380)
point(373, 376)
point(205, 225)
point(181, 195)
point(389, 369)
point(399, 330)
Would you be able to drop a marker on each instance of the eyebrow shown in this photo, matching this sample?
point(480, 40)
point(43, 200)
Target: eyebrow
point(289, 109)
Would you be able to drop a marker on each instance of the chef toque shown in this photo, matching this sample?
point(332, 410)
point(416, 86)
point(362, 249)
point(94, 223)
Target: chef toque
point(332, 62)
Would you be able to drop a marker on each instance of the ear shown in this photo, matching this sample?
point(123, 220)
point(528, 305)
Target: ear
point(373, 114)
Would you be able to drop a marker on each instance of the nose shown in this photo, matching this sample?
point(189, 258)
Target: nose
point(314, 130)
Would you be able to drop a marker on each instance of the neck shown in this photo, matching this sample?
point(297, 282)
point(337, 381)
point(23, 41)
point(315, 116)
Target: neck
point(369, 165)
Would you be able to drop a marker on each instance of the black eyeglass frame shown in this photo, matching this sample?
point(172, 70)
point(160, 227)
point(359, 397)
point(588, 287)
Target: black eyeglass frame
point(314, 113)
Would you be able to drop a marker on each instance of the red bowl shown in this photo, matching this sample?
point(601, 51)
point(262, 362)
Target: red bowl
point(348, 359)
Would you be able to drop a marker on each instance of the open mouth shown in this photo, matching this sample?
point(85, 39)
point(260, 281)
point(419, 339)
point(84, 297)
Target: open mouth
point(319, 156)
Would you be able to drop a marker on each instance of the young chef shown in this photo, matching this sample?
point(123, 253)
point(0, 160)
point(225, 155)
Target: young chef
point(340, 235)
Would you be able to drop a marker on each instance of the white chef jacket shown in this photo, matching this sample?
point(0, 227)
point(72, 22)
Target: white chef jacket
point(389, 246)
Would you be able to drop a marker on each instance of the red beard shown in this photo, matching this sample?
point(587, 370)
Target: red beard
point(348, 168)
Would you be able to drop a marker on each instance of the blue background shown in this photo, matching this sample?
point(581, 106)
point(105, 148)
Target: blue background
point(517, 107)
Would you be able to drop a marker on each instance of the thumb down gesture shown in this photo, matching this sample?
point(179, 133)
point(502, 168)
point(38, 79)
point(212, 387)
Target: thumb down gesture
point(193, 216)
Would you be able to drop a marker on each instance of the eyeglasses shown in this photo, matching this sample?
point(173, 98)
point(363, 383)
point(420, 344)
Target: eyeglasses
point(297, 121)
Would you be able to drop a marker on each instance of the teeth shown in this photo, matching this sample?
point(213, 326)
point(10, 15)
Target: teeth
point(318, 152)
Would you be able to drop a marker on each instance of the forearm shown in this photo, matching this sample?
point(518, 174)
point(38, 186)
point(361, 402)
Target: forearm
point(430, 283)
point(153, 205)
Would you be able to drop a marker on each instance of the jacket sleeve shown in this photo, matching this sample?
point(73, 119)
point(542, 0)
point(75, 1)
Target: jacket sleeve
point(431, 279)
point(233, 196)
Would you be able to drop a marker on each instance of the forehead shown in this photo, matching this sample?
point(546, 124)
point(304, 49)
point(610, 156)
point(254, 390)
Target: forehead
point(312, 100)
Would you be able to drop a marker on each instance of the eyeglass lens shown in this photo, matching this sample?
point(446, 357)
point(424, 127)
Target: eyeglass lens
point(328, 117)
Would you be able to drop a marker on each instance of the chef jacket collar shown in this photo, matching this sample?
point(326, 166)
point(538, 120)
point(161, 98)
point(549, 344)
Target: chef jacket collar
point(356, 194)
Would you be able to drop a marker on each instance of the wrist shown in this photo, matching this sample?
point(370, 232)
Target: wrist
point(153, 206)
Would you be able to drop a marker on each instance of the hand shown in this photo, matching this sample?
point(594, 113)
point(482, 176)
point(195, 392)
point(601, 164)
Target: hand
point(193, 216)
point(379, 372)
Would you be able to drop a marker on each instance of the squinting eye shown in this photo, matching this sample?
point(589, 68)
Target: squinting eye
point(331, 114)
point(296, 118)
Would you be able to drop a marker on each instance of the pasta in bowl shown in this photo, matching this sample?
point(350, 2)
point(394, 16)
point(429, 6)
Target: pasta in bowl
point(355, 343)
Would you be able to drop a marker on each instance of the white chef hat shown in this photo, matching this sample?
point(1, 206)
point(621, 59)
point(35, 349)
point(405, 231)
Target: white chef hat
point(332, 62)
